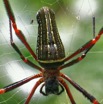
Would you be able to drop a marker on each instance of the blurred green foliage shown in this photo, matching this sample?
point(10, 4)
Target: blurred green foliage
point(75, 30)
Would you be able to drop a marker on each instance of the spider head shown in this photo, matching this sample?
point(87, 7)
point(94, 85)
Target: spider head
point(52, 87)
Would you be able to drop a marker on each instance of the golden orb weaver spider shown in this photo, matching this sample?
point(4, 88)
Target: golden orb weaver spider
point(50, 55)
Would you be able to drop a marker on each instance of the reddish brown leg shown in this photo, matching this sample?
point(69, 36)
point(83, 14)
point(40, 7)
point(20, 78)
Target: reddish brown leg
point(67, 90)
point(84, 92)
point(19, 83)
point(19, 52)
point(18, 32)
point(33, 90)
point(85, 49)
point(74, 61)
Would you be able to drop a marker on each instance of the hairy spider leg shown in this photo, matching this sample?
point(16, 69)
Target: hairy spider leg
point(80, 89)
point(18, 32)
point(33, 90)
point(67, 90)
point(85, 49)
point(19, 83)
point(19, 52)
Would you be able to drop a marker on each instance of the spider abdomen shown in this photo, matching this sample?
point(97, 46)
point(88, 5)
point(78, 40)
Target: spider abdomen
point(49, 45)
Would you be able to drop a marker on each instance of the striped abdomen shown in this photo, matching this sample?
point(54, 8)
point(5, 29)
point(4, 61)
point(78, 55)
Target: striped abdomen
point(49, 45)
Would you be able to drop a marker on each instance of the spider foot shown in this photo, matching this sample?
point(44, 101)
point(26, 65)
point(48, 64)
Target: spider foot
point(95, 102)
point(2, 91)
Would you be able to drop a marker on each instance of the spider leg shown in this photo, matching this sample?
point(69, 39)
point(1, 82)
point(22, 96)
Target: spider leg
point(67, 90)
point(74, 61)
point(62, 89)
point(19, 52)
point(19, 83)
point(33, 90)
point(41, 90)
point(85, 48)
point(18, 32)
point(80, 89)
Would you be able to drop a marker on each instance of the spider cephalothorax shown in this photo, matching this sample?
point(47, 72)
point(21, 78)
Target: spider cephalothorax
point(52, 86)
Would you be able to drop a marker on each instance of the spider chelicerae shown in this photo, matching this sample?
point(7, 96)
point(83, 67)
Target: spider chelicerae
point(50, 54)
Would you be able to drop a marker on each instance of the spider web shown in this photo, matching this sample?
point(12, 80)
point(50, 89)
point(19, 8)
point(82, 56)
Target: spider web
point(74, 21)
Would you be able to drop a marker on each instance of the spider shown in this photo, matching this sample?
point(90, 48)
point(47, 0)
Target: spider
point(50, 54)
